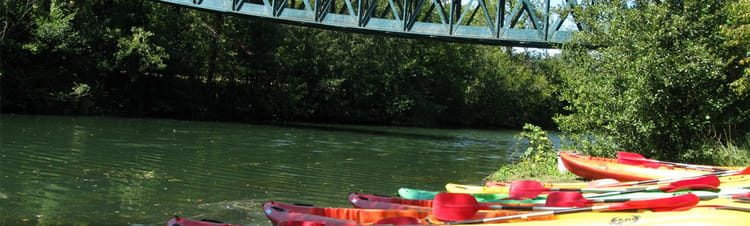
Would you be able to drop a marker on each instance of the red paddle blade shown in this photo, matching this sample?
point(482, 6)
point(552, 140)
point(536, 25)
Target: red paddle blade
point(567, 199)
point(676, 203)
point(746, 171)
point(399, 221)
point(710, 182)
point(454, 206)
point(637, 159)
point(629, 155)
point(741, 196)
point(525, 189)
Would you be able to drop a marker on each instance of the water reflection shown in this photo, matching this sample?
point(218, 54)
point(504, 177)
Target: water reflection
point(112, 171)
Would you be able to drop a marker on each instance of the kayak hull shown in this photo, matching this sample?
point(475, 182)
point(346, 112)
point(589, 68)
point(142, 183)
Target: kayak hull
point(600, 168)
point(354, 217)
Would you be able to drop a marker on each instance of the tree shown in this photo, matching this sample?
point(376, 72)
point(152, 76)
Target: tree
point(658, 83)
point(737, 31)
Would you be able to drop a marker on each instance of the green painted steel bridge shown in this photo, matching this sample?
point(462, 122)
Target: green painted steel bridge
point(521, 23)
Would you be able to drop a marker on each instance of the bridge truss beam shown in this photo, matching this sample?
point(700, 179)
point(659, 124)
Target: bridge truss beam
point(518, 23)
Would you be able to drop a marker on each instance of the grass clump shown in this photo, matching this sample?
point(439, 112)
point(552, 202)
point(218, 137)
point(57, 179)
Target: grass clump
point(534, 159)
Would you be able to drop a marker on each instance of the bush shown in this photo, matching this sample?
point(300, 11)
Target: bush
point(537, 159)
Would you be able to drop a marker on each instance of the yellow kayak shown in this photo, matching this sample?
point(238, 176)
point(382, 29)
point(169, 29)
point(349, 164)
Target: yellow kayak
point(502, 188)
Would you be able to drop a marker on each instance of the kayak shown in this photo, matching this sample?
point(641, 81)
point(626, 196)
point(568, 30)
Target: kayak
point(601, 168)
point(502, 187)
point(410, 193)
point(368, 201)
point(695, 216)
point(730, 213)
point(279, 212)
point(541, 199)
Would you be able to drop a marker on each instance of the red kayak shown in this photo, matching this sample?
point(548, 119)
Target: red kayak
point(290, 213)
point(609, 168)
point(281, 212)
point(366, 201)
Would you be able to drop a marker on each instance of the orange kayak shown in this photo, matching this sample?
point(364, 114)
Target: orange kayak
point(602, 168)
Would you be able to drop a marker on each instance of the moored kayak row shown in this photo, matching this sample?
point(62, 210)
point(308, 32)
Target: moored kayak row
point(629, 190)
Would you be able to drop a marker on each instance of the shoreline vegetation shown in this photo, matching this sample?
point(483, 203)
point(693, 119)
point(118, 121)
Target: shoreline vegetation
point(671, 82)
point(538, 158)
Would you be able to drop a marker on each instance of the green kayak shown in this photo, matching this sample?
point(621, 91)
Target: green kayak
point(410, 193)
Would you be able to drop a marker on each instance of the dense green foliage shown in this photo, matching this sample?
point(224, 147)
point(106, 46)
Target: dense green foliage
point(737, 31)
point(142, 58)
point(660, 80)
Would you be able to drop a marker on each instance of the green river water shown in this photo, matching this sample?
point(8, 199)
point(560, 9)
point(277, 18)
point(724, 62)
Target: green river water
point(59, 170)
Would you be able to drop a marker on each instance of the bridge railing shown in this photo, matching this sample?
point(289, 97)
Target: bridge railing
point(520, 23)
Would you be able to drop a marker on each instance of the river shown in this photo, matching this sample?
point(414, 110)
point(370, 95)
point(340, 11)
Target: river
point(62, 170)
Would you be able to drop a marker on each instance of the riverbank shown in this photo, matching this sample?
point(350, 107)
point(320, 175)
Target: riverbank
point(537, 158)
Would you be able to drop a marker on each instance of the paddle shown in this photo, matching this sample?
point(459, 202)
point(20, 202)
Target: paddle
point(710, 183)
point(638, 159)
point(522, 189)
point(531, 189)
point(745, 171)
point(677, 203)
point(575, 199)
point(465, 204)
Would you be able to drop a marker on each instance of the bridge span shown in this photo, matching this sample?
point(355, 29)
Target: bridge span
point(520, 23)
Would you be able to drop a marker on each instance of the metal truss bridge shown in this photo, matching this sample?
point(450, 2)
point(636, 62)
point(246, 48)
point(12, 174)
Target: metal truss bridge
point(520, 23)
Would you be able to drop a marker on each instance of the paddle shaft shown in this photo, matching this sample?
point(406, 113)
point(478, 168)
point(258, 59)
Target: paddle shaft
point(689, 166)
point(536, 214)
point(702, 197)
point(659, 181)
point(635, 157)
point(499, 207)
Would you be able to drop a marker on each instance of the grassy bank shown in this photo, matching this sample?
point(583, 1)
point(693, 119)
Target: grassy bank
point(537, 158)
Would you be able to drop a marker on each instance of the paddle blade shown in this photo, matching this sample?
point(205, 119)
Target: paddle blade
point(567, 199)
point(629, 155)
point(454, 206)
point(522, 189)
point(710, 182)
point(745, 171)
point(676, 203)
point(637, 159)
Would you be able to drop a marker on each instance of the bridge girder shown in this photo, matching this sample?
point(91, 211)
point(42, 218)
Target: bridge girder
point(520, 24)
